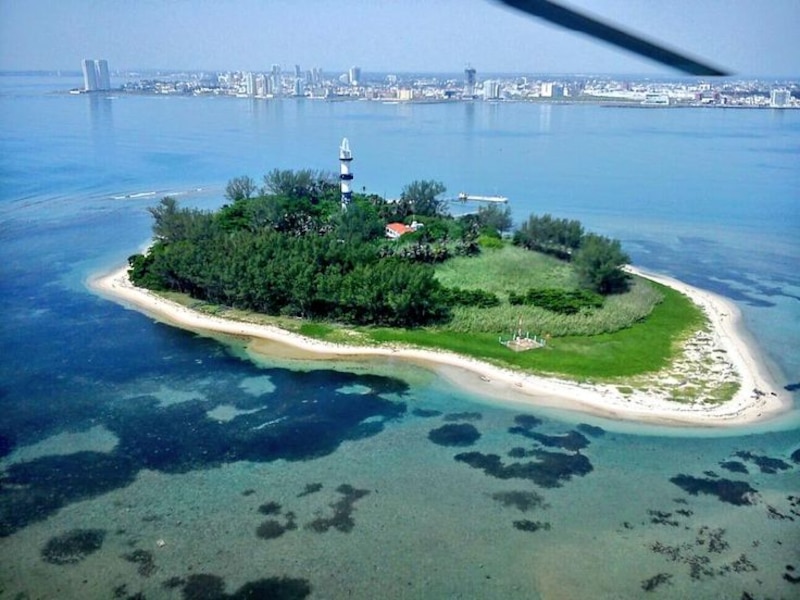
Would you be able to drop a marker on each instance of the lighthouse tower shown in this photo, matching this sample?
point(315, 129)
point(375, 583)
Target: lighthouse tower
point(345, 176)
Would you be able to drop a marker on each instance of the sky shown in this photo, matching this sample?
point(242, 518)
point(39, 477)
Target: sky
point(747, 37)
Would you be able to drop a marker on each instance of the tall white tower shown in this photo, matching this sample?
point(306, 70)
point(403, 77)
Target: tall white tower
point(345, 176)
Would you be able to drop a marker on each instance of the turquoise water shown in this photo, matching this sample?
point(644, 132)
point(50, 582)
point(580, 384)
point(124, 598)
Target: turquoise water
point(142, 459)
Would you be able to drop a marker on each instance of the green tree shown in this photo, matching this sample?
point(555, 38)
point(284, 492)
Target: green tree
point(494, 220)
point(306, 184)
point(422, 197)
point(599, 263)
point(240, 188)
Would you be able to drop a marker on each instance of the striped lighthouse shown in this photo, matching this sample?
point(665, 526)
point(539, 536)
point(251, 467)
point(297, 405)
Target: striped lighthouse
point(345, 176)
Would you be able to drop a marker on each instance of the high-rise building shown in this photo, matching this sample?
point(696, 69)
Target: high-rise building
point(491, 90)
point(469, 82)
point(250, 83)
point(95, 75)
point(276, 80)
point(103, 77)
point(354, 75)
point(89, 75)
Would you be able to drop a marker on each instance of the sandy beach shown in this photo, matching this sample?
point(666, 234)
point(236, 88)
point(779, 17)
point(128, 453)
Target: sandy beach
point(725, 347)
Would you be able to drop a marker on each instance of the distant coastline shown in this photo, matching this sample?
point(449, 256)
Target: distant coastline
point(759, 397)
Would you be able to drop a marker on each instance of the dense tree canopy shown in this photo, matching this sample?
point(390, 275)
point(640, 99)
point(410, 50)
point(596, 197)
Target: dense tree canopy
point(559, 237)
point(289, 249)
point(599, 261)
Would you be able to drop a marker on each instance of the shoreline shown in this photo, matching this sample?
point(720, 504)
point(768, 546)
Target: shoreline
point(759, 397)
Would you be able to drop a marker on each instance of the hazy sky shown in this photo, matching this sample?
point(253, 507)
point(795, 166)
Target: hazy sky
point(749, 37)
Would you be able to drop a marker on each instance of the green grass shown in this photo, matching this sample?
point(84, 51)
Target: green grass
point(515, 269)
point(645, 347)
point(499, 270)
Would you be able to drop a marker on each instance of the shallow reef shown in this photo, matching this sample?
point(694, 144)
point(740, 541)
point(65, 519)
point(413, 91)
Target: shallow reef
point(342, 519)
point(552, 469)
point(426, 413)
point(531, 526)
point(144, 560)
point(739, 493)
point(461, 434)
point(734, 466)
point(766, 464)
point(648, 585)
point(521, 500)
point(463, 416)
point(201, 586)
point(591, 430)
point(73, 546)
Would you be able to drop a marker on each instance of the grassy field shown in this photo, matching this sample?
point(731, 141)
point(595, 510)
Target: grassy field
point(515, 269)
point(644, 347)
point(507, 268)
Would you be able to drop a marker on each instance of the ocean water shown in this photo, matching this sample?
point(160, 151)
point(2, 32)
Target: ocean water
point(141, 460)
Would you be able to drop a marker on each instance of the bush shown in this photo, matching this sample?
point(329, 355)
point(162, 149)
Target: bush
point(476, 298)
point(565, 302)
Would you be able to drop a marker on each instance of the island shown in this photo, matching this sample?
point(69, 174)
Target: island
point(546, 314)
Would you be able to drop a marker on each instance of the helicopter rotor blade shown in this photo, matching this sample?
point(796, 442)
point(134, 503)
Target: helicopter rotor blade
point(576, 21)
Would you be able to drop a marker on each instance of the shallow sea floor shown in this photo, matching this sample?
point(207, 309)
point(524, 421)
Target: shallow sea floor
point(427, 493)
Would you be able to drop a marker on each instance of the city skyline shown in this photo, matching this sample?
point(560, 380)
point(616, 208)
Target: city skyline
point(744, 36)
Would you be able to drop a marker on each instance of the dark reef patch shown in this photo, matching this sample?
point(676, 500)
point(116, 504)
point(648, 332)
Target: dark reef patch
point(765, 463)
point(517, 452)
point(461, 434)
point(311, 488)
point(552, 469)
point(6, 444)
point(145, 561)
point(270, 508)
point(72, 547)
point(648, 585)
point(591, 430)
point(788, 574)
point(659, 517)
point(739, 493)
point(342, 519)
point(796, 456)
point(426, 413)
point(33, 490)
point(527, 421)
point(520, 499)
point(463, 416)
point(202, 586)
point(734, 466)
point(572, 441)
point(792, 387)
point(531, 526)
point(306, 418)
point(271, 528)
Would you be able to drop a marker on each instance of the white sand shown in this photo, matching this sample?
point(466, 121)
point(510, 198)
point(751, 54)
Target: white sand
point(759, 397)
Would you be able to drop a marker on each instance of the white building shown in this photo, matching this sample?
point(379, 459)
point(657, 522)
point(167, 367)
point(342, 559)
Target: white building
point(780, 98)
point(549, 89)
point(491, 90)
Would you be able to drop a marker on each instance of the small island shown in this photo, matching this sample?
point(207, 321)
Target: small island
point(545, 313)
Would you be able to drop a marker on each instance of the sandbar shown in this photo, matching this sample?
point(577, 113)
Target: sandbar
point(759, 397)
